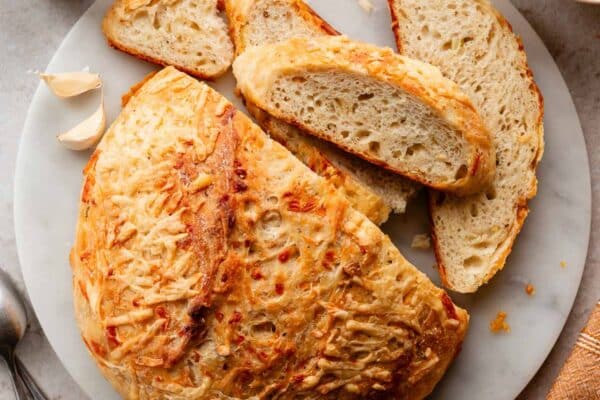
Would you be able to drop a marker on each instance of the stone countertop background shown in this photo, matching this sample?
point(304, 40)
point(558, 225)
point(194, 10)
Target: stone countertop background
point(31, 31)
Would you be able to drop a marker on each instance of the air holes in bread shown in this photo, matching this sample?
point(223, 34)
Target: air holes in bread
point(474, 210)
point(462, 172)
point(374, 147)
point(271, 220)
point(266, 327)
point(415, 149)
point(249, 206)
point(482, 245)
point(269, 225)
point(140, 15)
point(473, 262)
point(363, 134)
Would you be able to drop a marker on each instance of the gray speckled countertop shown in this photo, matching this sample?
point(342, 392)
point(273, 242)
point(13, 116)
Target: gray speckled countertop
point(31, 30)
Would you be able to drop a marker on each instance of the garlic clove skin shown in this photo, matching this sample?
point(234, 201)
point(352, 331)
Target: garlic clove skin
point(87, 133)
point(69, 84)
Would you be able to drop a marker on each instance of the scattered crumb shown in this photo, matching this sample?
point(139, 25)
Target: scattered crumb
point(499, 323)
point(421, 241)
point(366, 5)
point(563, 264)
point(530, 289)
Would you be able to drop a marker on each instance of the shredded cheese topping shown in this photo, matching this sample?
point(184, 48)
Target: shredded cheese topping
point(210, 263)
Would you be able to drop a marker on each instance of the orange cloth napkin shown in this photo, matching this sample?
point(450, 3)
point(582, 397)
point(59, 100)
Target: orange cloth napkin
point(579, 378)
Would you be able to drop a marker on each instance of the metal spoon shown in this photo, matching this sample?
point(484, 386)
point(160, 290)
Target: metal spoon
point(13, 323)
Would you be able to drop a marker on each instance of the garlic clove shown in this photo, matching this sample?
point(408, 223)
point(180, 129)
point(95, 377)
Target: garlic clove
point(69, 84)
point(87, 133)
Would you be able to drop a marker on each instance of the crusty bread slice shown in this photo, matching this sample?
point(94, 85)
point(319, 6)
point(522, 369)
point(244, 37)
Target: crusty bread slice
point(474, 45)
point(371, 190)
point(209, 263)
point(260, 22)
point(187, 34)
point(396, 112)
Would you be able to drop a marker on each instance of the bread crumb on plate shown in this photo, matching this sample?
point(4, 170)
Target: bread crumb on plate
point(530, 289)
point(563, 264)
point(499, 323)
point(421, 241)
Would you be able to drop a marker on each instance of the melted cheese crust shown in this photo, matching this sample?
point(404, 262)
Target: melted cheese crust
point(209, 263)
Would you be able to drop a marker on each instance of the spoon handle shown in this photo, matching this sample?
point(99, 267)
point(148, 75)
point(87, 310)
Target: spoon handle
point(20, 390)
point(28, 380)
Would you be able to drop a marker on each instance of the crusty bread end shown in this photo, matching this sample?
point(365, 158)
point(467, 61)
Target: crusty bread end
point(187, 34)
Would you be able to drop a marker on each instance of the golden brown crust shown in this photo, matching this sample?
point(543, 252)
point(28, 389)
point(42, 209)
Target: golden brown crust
point(209, 262)
point(313, 18)
point(395, 25)
point(521, 207)
point(133, 89)
point(441, 267)
point(259, 68)
point(113, 41)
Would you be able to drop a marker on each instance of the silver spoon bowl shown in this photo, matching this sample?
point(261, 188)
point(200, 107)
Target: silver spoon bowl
point(13, 324)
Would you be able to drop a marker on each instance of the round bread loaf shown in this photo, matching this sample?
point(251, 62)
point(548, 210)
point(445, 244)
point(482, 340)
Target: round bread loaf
point(209, 263)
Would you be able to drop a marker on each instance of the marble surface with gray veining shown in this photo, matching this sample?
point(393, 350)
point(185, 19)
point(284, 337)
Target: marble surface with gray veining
point(31, 30)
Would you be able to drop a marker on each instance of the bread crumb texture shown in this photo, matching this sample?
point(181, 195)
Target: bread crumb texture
point(189, 34)
point(499, 323)
point(474, 45)
point(421, 241)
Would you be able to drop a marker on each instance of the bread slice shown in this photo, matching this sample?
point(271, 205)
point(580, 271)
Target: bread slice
point(260, 22)
point(206, 250)
point(474, 45)
point(396, 112)
point(187, 34)
point(371, 190)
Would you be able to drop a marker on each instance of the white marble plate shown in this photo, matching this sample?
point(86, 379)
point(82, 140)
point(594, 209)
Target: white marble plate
point(48, 181)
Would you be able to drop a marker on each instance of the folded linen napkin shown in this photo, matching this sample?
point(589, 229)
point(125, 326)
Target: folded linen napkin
point(579, 378)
